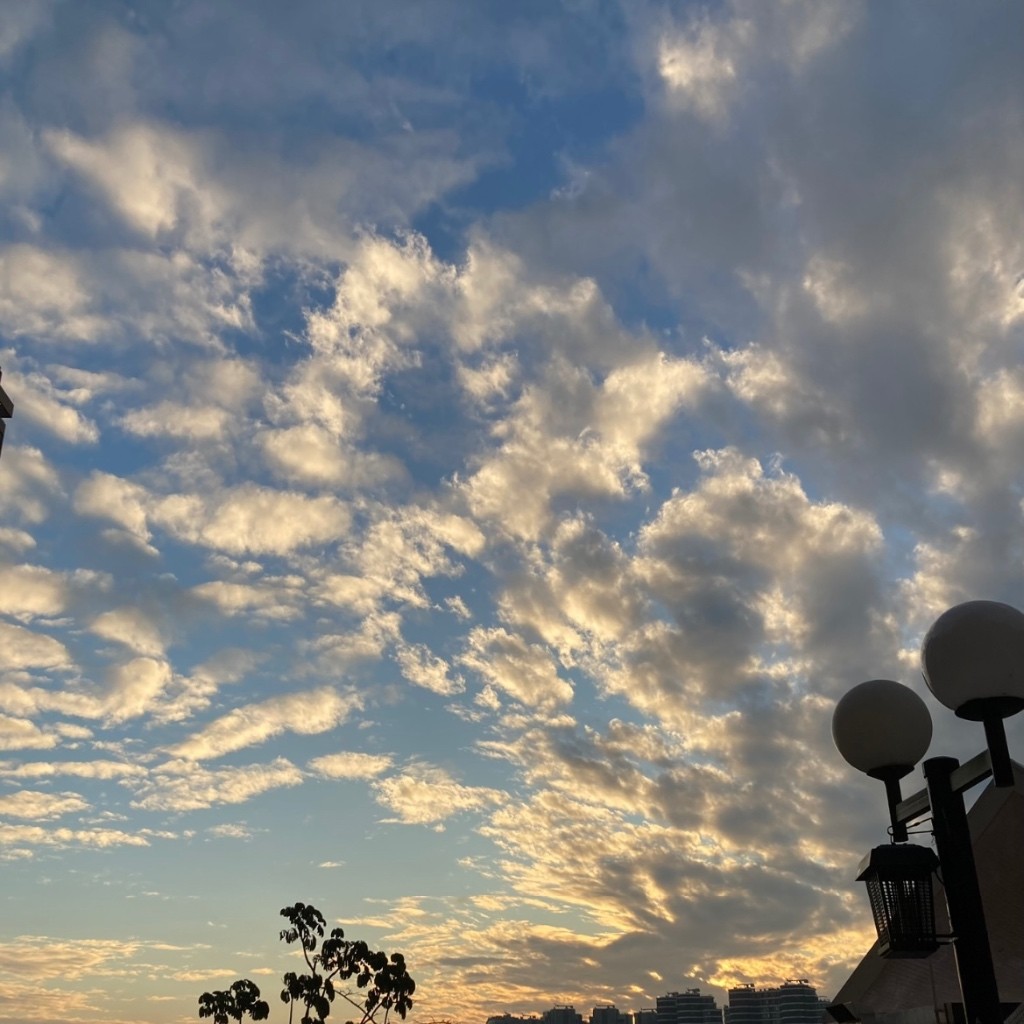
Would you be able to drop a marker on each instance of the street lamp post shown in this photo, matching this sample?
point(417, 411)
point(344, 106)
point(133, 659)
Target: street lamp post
point(973, 661)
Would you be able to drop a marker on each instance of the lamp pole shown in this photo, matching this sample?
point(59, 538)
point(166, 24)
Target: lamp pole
point(971, 948)
point(973, 660)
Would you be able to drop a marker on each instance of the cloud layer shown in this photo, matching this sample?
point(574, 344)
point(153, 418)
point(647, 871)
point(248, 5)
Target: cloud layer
point(471, 448)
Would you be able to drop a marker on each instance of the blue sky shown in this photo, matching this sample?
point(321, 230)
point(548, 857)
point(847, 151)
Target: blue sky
point(461, 454)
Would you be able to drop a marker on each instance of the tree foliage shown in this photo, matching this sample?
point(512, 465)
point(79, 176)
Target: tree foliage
point(383, 980)
point(242, 998)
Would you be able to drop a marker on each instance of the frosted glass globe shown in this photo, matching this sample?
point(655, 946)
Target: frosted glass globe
point(882, 727)
point(973, 659)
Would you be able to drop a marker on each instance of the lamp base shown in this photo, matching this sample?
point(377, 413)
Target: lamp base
point(981, 708)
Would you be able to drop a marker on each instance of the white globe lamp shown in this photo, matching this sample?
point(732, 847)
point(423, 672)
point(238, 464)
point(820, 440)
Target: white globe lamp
point(973, 661)
point(883, 728)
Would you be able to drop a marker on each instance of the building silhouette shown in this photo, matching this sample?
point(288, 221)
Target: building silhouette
point(562, 1015)
point(608, 1014)
point(688, 1007)
point(793, 1002)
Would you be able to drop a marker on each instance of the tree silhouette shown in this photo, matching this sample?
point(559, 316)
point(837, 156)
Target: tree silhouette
point(385, 979)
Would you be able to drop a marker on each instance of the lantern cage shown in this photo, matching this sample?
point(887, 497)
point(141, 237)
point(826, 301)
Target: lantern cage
point(899, 881)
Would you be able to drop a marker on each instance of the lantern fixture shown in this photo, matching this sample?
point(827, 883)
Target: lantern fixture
point(899, 881)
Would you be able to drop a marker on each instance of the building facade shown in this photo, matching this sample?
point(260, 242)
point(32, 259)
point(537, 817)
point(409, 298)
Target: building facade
point(562, 1015)
point(688, 1007)
point(793, 1002)
point(608, 1015)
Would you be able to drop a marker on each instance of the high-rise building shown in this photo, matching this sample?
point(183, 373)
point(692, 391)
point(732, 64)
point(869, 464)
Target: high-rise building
point(793, 1002)
point(608, 1015)
point(562, 1015)
point(798, 1003)
point(646, 1015)
point(747, 1005)
point(689, 1007)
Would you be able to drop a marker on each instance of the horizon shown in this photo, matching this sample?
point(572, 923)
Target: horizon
point(460, 455)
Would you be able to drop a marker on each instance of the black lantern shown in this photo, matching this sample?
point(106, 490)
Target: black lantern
point(899, 881)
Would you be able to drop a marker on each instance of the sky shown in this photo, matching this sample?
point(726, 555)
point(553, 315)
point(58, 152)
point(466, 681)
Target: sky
point(461, 453)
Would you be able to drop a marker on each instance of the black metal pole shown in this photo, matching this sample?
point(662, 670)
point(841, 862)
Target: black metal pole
point(998, 752)
point(894, 795)
point(963, 894)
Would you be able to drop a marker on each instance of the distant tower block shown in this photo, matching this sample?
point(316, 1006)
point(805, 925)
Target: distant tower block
point(6, 412)
point(688, 1007)
point(794, 1002)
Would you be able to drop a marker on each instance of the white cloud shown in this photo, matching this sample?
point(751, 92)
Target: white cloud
point(146, 173)
point(306, 713)
point(53, 410)
point(427, 795)
point(396, 551)
point(36, 835)
point(308, 453)
point(491, 380)
point(23, 648)
point(211, 403)
point(378, 303)
point(30, 484)
point(186, 786)
point(231, 830)
point(16, 540)
point(24, 734)
point(42, 293)
point(828, 283)
point(706, 64)
point(247, 519)
point(524, 671)
point(28, 701)
point(26, 803)
point(45, 958)
point(135, 688)
point(423, 668)
point(350, 764)
point(699, 66)
point(172, 419)
point(111, 497)
point(588, 592)
point(570, 435)
point(33, 590)
point(75, 769)
point(270, 598)
point(499, 298)
point(253, 520)
point(376, 632)
point(132, 627)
